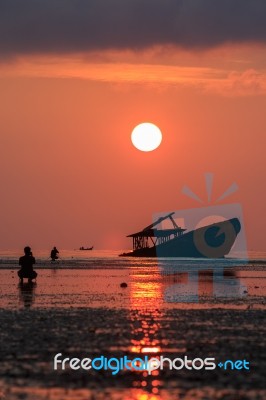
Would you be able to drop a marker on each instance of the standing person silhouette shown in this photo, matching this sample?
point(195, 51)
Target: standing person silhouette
point(54, 253)
point(26, 262)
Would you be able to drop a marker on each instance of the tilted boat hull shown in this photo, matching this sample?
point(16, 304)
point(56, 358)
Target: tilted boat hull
point(212, 241)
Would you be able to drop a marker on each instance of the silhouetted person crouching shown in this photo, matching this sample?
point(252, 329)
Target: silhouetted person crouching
point(26, 262)
point(54, 253)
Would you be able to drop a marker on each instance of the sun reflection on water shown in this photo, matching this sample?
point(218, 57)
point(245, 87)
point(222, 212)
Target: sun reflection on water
point(146, 298)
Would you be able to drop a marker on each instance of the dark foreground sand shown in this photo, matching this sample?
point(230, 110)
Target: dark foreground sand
point(31, 338)
point(137, 319)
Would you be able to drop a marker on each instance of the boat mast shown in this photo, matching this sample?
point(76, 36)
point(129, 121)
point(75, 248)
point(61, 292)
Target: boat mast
point(141, 239)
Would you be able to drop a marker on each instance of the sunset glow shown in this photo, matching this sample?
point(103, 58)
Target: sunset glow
point(71, 105)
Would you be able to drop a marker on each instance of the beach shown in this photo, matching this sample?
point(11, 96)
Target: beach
point(165, 308)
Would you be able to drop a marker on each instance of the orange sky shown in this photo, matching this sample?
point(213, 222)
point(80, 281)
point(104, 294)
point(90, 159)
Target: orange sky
point(70, 175)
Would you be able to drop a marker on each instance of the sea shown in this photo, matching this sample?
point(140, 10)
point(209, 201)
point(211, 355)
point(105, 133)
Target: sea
point(108, 259)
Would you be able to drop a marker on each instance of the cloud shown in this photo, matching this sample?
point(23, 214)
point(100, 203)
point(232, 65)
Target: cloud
point(209, 80)
point(67, 26)
point(246, 83)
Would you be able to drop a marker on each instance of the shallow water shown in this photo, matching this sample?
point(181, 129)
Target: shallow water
point(172, 308)
point(179, 288)
point(110, 259)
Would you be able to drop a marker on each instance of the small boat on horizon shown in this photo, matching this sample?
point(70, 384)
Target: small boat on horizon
point(86, 248)
point(211, 241)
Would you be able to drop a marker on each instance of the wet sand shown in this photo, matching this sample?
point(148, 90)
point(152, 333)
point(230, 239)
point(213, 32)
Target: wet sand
point(66, 288)
point(85, 313)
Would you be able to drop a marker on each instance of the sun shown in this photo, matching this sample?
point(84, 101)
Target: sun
point(146, 136)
